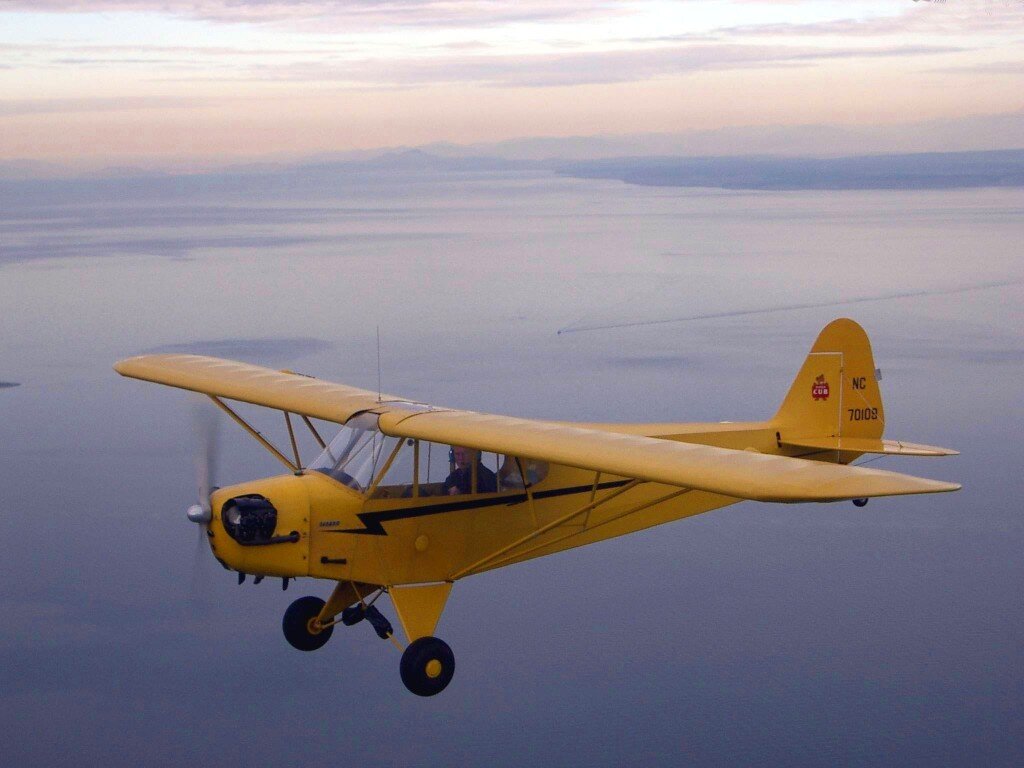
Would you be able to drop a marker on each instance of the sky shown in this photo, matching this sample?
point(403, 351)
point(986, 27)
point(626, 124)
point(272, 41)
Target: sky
point(109, 81)
point(757, 635)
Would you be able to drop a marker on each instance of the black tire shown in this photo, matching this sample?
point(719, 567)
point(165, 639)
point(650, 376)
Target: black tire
point(427, 666)
point(296, 624)
point(860, 502)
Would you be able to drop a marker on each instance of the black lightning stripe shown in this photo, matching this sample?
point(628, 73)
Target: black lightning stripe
point(373, 521)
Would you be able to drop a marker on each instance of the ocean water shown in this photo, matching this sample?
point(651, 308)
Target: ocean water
point(758, 634)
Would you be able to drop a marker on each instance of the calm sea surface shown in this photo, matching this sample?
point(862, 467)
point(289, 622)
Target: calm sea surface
point(759, 634)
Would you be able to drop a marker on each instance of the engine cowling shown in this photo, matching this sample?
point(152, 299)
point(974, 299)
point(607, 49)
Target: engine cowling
point(262, 527)
point(249, 520)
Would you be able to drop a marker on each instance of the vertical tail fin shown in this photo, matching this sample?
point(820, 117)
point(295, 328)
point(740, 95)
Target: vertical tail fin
point(835, 394)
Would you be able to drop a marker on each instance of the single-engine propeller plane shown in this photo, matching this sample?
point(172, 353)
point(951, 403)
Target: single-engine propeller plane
point(409, 498)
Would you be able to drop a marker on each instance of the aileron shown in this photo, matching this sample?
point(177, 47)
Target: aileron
point(290, 392)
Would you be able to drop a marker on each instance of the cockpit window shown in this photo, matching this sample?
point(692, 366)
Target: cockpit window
point(356, 454)
point(369, 462)
point(511, 473)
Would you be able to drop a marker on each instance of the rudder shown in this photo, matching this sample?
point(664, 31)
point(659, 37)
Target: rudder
point(836, 393)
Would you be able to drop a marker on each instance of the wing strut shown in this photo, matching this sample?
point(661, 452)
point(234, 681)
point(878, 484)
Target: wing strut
point(291, 436)
point(256, 435)
point(509, 558)
point(312, 430)
point(542, 530)
point(527, 486)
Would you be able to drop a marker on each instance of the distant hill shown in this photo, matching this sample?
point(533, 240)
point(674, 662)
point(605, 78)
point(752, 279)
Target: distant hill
point(977, 133)
point(334, 178)
point(930, 170)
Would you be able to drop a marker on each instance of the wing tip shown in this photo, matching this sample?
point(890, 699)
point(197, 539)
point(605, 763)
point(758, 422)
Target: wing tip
point(917, 485)
point(124, 366)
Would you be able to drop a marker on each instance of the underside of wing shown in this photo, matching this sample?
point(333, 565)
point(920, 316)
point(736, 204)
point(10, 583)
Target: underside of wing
point(740, 474)
point(282, 390)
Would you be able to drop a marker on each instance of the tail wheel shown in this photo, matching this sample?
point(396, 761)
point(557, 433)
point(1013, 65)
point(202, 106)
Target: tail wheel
point(427, 666)
point(300, 625)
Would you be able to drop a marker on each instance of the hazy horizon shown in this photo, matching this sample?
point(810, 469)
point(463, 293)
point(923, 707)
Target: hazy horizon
point(104, 82)
point(986, 133)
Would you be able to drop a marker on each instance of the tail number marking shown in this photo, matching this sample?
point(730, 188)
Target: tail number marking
point(863, 414)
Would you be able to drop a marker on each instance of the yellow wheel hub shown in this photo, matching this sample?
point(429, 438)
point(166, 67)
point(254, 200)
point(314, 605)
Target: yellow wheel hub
point(313, 625)
point(433, 669)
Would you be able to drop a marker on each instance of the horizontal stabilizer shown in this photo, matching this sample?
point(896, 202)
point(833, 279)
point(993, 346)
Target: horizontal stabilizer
point(868, 445)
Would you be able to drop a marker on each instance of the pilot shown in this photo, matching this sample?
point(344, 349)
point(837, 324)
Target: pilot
point(461, 478)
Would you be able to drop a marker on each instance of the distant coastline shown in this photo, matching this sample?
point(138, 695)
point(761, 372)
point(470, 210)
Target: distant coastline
point(919, 171)
point(9, 384)
point(333, 178)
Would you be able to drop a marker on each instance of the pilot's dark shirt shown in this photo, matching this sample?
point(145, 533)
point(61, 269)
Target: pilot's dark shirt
point(462, 478)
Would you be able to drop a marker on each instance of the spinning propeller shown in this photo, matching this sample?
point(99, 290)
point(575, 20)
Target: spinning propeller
point(205, 424)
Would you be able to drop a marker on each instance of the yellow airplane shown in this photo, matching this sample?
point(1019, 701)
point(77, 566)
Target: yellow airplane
point(409, 498)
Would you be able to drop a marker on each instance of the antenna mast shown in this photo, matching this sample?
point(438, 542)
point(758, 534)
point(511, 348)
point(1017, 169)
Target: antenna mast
point(378, 365)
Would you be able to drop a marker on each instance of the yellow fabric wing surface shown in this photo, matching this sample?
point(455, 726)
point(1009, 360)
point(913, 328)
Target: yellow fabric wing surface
point(253, 384)
point(741, 474)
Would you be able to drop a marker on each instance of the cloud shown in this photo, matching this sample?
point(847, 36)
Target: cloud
point(339, 14)
point(16, 107)
point(987, 68)
point(358, 64)
point(952, 19)
point(564, 68)
point(52, 53)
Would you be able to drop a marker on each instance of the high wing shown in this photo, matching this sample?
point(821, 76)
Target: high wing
point(283, 390)
point(740, 474)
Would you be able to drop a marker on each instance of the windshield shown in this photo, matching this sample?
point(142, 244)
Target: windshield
point(356, 453)
point(360, 455)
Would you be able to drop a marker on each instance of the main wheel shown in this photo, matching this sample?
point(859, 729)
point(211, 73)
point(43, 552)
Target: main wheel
point(427, 666)
point(860, 502)
point(300, 626)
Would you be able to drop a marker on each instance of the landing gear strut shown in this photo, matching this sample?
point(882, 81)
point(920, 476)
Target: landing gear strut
point(356, 613)
point(427, 666)
point(301, 624)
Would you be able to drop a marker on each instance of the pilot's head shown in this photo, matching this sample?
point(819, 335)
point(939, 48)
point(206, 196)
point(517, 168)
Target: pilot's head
point(464, 457)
